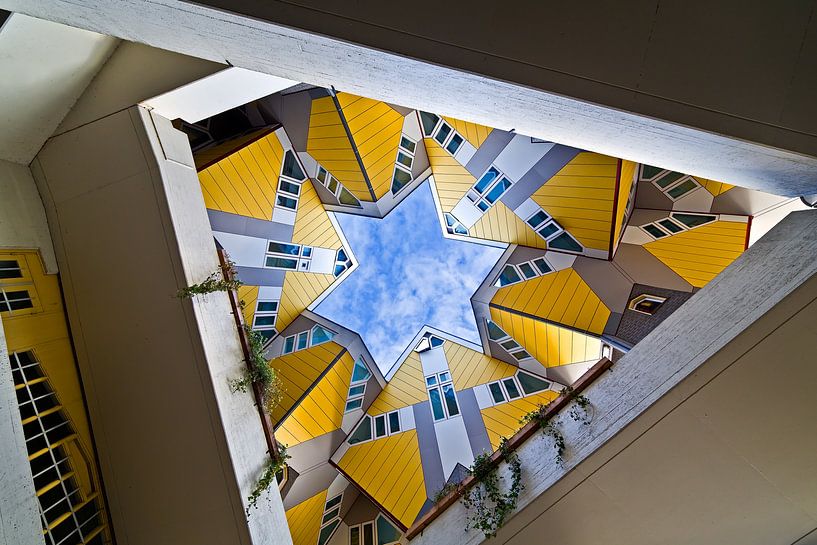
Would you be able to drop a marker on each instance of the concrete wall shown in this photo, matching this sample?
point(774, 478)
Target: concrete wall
point(703, 432)
point(723, 92)
point(178, 451)
point(19, 508)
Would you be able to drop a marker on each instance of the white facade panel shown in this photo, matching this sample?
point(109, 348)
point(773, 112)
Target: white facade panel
point(244, 251)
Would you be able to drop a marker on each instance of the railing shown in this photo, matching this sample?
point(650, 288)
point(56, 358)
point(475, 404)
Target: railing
point(232, 295)
point(516, 441)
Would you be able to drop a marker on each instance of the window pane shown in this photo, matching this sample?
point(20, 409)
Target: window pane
point(329, 515)
point(286, 202)
point(284, 248)
point(486, 180)
point(267, 306)
point(565, 242)
point(654, 231)
point(394, 422)
point(347, 198)
point(435, 342)
point(332, 185)
point(354, 536)
point(442, 133)
point(548, 229)
point(693, 220)
point(648, 172)
point(454, 144)
point(521, 355)
point(450, 400)
point(321, 335)
point(431, 381)
point(436, 404)
point(444, 377)
point(386, 532)
point(482, 205)
point(400, 180)
point(10, 269)
point(291, 167)
point(363, 432)
point(542, 265)
point(357, 390)
point(322, 175)
point(494, 332)
point(404, 159)
point(264, 320)
point(496, 392)
point(538, 218)
point(508, 276)
point(326, 532)
point(303, 338)
point(368, 534)
point(510, 386)
point(380, 426)
point(460, 230)
point(682, 189)
point(289, 344)
point(354, 404)
point(407, 144)
point(429, 121)
point(306, 251)
point(531, 384)
point(670, 226)
point(527, 270)
point(497, 191)
point(510, 345)
point(668, 179)
point(360, 372)
point(289, 187)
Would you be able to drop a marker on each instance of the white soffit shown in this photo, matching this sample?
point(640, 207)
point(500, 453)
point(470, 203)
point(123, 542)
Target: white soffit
point(216, 93)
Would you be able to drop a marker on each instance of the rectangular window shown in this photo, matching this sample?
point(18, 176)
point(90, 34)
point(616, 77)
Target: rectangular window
point(289, 187)
point(450, 400)
point(289, 344)
point(379, 426)
point(549, 229)
point(527, 270)
point(287, 202)
point(654, 231)
point(10, 269)
point(303, 340)
point(487, 179)
point(15, 300)
point(436, 404)
point(542, 265)
point(442, 133)
point(284, 248)
point(496, 392)
point(538, 219)
point(267, 306)
point(454, 144)
point(405, 159)
point(442, 396)
point(281, 263)
point(501, 187)
point(407, 144)
point(357, 390)
point(682, 189)
point(394, 422)
point(264, 320)
point(353, 404)
point(510, 387)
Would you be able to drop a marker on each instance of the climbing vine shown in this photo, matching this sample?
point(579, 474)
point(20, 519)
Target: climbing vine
point(487, 505)
point(261, 373)
point(220, 280)
point(271, 469)
point(541, 417)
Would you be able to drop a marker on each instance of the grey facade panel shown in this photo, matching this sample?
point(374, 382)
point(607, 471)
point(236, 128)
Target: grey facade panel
point(544, 169)
point(252, 227)
point(634, 326)
point(488, 151)
point(429, 449)
point(474, 425)
point(253, 276)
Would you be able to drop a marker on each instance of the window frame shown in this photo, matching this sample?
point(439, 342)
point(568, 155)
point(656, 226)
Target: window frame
point(511, 351)
point(6, 302)
point(517, 268)
point(637, 300)
point(500, 383)
point(480, 198)
point(440, 385)
point(655, 179)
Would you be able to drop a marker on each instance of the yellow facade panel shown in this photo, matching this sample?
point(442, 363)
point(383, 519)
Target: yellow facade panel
point(390, 471)
point(700, 254)
point(473, 132)
point(405, 388)
point(312, 224)
point(716, 188)
point(500, 224)
point(304, 519)
point(300, 290)
point(470, 368)
point(450, 178)
point(626, 181)
point(503, 420)
point(249, 296)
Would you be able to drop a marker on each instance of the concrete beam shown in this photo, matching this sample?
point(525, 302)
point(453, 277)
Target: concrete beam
point(725, 95)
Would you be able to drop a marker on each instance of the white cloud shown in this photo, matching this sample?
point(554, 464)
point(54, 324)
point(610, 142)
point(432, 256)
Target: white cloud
point(409, 275)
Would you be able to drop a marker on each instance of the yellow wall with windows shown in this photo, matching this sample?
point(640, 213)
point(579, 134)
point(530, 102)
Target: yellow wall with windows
point(375, 128)
point(474, 133)
point(312, 224)
point(328, 143)
point(700, 254)
point(299, 370)
point(305, 519)
point(390, 471)
point(580, 198)
point(300, 290)
point(499, 223)
point(549, 344)
point(450, 178)
point(504, 420)
point(322, 410)
point(626, 181)
point(405, 388)
point(561, 297)
point(470, 368)
point(246, 181)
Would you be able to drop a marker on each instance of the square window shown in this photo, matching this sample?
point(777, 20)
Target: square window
point(454, 144)
point(289, 187)
point(442, 133)
point(407, 144)
point(527, 270)
point(303, 340)
point(445, 377)
point(431, 381)
point(405, 159)
point(496, 392)
point(482, 205)
point(538, 218)
point(548, 229)
point(354, 404)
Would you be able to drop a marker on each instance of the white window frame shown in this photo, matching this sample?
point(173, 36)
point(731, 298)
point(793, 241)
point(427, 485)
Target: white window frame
point(674, 221)
point(515, 378)
point(326, 182)
point(438, 385)
point(512, 351)
point(665, 190)
point(5, 302)
point(475, 197)
point(326, 511)
point(351, 398)
point(645, 297)
point(266, 313)
point(518, 268)
point(400, 166)
point(303, 262)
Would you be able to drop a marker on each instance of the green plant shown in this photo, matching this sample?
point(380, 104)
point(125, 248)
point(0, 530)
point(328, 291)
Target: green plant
point(446, 489)
point(580, 411)
point(260, 372)
point(271, 469)
point(540, 416)
point(221, 280)
point(487, 506)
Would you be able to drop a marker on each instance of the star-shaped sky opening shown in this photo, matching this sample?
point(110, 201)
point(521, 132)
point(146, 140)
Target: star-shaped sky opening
point(409, 275)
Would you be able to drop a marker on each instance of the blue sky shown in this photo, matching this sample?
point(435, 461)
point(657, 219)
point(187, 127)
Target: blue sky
point(409, 275)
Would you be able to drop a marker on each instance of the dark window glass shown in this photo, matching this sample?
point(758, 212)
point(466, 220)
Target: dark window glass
point(482, 205)
point(354, 404)
point(400, 180)
point(654, 231)
point(508, 276)
point(286, 202)
point(284, 248)
point(10, 269)
point(354, 536)
point(339, 269)
point(497, 191)
point(565, 242)
point(347, 198)
point(303, 338)
point(693, 220)
point(289, 344)
point(357, 390)
point(404, 159)
point(494, 332)
point(386, 532)
point(330, 515)
point(442, 133)
point(289, 187)
point(435, 342)
point(332, 185)
point(648, 306)
point(496, 392)
point(380, 426)
point(548, 229)
point(542, 265)
point(307, 251)
point(538, 218)
point(360, 372)
point(436, 404)
point(321, 335)
point(363, 432)
point(527, 270)
point(394, 422)
point(521, 355)
point(407, 144)
point(281, 263)
point(429, 121)
point(264, 320)
point(510, 386)
point(648, 172)
point(267, 306)
point(368, 534)
point(454, 144)
point(682, 189)
point(460, 230)
point(291, 167)
point(670, 226)
point(450, 400)
point(668, 179)
point(322, 175)
point(531, 384)
point(486, 180)
point(510, 345)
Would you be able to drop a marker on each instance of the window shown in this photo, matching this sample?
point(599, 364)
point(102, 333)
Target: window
point(511, 274)
point(343, 195)
point(321, 335)
point(360, 372)
point(380, 426)
point(565, 242)
point(289, 345)
point(553, 233)
point(266, 314)
point(673, 184)
point(646, 304)
point(394, 422)
point(331, 520)
point(496, 334)
point(489, 188)
point(363, 431)
point(428, 342)
point(355, 398)
point(303, 340)
point(429, 122)
point(676, 223)
point(453, 226)
point(288, 256)
point(442, 396)
point(342, 262)
point(291, 168)
point(378, 532)
point(15, 300)
point(10, 269)
point(519, 385)
point(402, 167)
